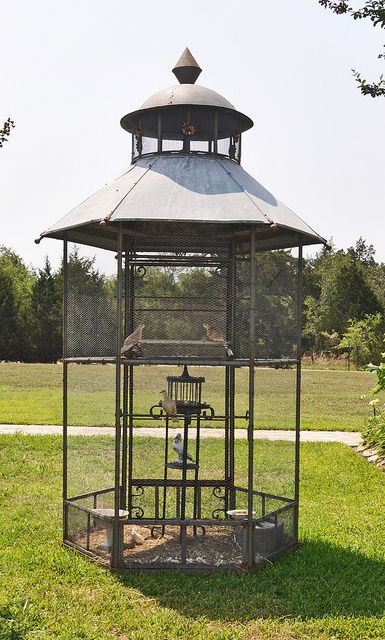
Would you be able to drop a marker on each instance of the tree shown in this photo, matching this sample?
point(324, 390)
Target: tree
point(373, 10)
point(21, 280)
point(337, 289)
point(6, 130)
point(364, 338)
point(47, 308)
point(9, 348)
point(363, 252)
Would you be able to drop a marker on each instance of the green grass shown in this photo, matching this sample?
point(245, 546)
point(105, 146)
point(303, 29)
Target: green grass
point(333, 587)
point(32, 394)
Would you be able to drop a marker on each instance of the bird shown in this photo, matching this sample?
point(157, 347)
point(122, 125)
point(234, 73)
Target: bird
point(132, 340)
point(169, 405)
point(177, 446)
point(215, 335)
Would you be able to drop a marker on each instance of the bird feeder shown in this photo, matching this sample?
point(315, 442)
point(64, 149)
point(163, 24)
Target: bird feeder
point(204, 271)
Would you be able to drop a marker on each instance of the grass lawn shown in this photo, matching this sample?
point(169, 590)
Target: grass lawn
point(32, 394)
point(333, 587)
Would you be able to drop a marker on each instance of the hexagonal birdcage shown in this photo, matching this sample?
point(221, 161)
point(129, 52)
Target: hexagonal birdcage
point(208, 277)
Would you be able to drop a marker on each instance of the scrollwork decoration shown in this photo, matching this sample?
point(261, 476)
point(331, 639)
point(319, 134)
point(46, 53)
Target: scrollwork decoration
point(140, 271)
point(136, 510)
point(219, 493)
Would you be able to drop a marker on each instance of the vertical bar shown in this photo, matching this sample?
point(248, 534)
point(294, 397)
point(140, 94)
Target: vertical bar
point(164, 512)
point(131, 303)
point(159, 131)
point(232, 373)
point(250, 430)
point(116, 547)
point(123, 496)
point(196, 474)
point(215, 131)
point(239, 147)
point(298, 389)
point(156, 501)
point(88, 531)
point(65, 386)
point(227, 424)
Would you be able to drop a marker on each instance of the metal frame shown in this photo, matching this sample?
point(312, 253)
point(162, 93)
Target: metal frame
point(126, 486)
point(158, 137)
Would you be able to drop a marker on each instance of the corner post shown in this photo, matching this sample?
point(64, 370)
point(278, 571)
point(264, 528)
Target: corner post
point(298, 388)
point(65, 387)
point(116, 552)
point(250, 429)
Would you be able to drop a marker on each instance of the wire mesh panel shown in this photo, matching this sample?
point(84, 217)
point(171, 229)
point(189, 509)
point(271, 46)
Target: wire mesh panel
point(276, 303)
point(183, 311)
point(90, 386)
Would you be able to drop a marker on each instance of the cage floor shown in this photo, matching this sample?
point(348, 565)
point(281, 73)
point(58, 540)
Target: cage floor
point(216, 547)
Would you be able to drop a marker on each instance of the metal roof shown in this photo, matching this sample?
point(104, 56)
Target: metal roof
point(181, 94)
point(181, 189)
point(187, 69)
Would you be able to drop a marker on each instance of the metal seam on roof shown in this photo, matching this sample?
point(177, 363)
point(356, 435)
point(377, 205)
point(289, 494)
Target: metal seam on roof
point(130, 189)
point(245, 192)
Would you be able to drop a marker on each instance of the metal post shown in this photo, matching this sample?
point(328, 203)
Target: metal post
point(159, 131)
point(123, 496)
point(183, 532)
point(131, 303)
point(216, 132)
point(298, 390)
point(250, 430)
point(65, 386)
point(232, 373)
point(116, 558)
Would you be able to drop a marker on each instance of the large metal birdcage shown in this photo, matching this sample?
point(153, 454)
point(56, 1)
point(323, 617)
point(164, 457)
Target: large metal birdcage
point(197, 333)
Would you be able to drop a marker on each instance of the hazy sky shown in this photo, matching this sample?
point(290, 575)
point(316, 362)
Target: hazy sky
point(71, 69)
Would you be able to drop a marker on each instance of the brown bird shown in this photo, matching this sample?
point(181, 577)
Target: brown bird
point(215, 335)
point(132, 340)
point(169, 405)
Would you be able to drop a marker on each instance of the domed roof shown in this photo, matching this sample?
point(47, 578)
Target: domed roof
point(186, 94)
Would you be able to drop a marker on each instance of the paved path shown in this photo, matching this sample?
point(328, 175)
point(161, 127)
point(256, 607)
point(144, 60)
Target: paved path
point(350, 438)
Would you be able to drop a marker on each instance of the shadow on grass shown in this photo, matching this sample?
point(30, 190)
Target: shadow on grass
point(318, 580)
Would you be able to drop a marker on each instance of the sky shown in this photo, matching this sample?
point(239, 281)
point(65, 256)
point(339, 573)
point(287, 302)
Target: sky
point(72, 68)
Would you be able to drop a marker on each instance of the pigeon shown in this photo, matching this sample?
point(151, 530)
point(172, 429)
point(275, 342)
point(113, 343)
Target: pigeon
point(169, 405)
point(215, 335)
point(177, 446)
point(132, 340)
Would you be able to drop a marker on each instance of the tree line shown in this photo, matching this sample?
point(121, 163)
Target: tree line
point(344, 303)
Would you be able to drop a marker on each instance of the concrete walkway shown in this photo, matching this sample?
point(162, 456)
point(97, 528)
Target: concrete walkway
point(352, 439)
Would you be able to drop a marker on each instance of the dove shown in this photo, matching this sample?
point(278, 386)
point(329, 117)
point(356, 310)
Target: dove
point(215, 335)
point(132, 340)
point(169, 405)
point(177, 446)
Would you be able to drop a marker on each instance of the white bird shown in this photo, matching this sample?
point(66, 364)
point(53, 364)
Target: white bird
point(177, 446)
point(169, 405)
point(216, 335)
point(132, 340)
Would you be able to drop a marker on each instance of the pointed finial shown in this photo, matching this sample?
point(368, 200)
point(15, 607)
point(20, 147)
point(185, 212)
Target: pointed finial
point(187, 69)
